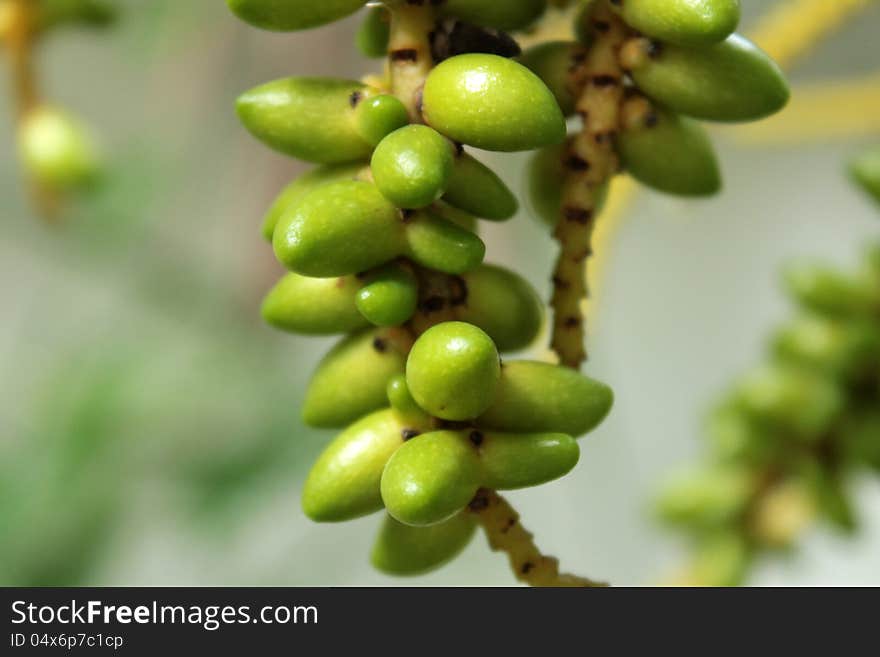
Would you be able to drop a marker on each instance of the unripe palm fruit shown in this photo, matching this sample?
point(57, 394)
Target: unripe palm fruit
point(390, 297)
point(406, 550)
point(438, 243)
point(379, 116)
point(431, 478)
point(539, 397)
point(93, 13)
point(705, 499)
point(521, 460)
point(412, 166)
point(304, 185)
point(504, 305)
point(373, 35)
point(737, 437)
point(351, 379)
point(865, 170)
point(862, 439)
point(721, 560)
point(402, 401)
point(832, 293)
point(314, 306)
point(686, 22)
point(546, 184)
point(290, 15)
point(475, 188)
point(344, 482)
point(670, 153)
point(453, 371)
point(57, 151)
point(312, 119)
point(501, 14)
point(839, 348)
point(492, 103)
point(731, 81)
point(551, 61)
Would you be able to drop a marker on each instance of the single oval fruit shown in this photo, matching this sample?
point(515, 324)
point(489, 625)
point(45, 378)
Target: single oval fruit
point(539, 397)
point(402, 401)
point(501, 14)
point(389, 298)
point(345, 481)
point(290, 15)
point(492, 103)
point(829, 292)
point(303, 186)
point(840, 348)
point(312, 119)
point(504, 305)
point(475, 188)
point(438, 243)
point(314, 306)
point(351, 379)
point(91, 13)
point(431, 478)
point(412, 166)
point(519, 460)
point(379, 116)
point(340, 228)
point(57, 150)
point(730, 81)
point(373, 35)
point(670, 153)
point(686, 22)
point(706, 498)
point(452, 371)
point(551, 61)
point(406, 550)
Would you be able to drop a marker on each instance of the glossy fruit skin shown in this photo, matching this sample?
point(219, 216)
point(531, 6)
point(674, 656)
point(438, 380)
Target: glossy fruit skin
point(379, 116)
point(730, 81)
point(865, 171)
point(351, 380)
point(308, 118)
point(389, 298)
point(501, 14)
point(57, 150)
point(453, 370)
point(304, 185)
point(344, 482)
point(475, 188)
point(512, 461)
point(504, 305)
point(341, 228)
point(438, 243)
point(431, 478)
point(373, 34)
point(539, 397)
point(406, 550)
point(314, 306)
point(551, 62)
point(290, 15)
point(492, 103)
point(685, 22)
point(412, 166)
point(672, 154)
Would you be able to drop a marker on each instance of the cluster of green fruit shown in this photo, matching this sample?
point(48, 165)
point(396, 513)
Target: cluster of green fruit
point(788, 436)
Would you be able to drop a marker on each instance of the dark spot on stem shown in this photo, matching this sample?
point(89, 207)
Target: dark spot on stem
point(476, 438)
point(409, 434)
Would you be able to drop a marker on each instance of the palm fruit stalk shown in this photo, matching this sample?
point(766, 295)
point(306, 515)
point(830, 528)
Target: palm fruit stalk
point(380, 240)
point(637, 74)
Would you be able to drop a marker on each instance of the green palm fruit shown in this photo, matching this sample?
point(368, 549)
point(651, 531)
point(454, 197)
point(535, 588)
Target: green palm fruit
point(492, 103)
point(705, 499)
point(546, 183)
point(314, 306)
point(344, 482)
point(670, 153)
point(57, 151)
point(539, 397)
point(736, 437)
point(452, 371)
point(840, 348)
point(475, 188)
point(406, 550)
point(313, 119)
point(686, 22)
point(379, 116)
point(290, 15)
point(457, 216)
point(402, 401)
point(501, 14)
point(730, 81)
point(351, 380)
point(721, 560)
point(827, 291)
point(431, 478)
point(412, 166)
point(304, 185)
point(390, 296)
point(504, 305)
point(527, 459)
point(551, 61)
point(865, 170)
point(862, 439)
point(791, 399)
point(441, 244)
point(93, 13)
point(341, 228)
point(373, 35)
point(833, 500)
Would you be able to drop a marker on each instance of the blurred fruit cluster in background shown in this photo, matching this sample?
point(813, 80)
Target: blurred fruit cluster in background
point(149, 423)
